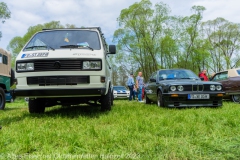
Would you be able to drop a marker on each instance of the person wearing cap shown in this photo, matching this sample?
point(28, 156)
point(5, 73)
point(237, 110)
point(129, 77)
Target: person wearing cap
point(130, 84)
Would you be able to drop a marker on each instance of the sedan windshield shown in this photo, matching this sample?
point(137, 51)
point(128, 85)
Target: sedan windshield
point(119, 88)
point(56, 39)
point(177, 74)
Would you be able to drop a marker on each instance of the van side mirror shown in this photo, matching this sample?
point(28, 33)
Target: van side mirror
point(112, 49)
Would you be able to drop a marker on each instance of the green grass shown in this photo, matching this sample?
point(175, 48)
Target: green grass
point(131, 130)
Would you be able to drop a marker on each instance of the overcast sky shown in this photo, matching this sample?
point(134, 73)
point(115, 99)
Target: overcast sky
point(103, 13)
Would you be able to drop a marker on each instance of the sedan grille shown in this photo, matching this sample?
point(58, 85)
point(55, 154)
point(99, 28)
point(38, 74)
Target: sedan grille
point(197, 87)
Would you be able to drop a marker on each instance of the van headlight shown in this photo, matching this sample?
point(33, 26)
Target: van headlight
point(25, 66)
point(91, 65)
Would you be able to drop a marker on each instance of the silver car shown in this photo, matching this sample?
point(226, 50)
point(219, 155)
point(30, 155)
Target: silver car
point(120, 92)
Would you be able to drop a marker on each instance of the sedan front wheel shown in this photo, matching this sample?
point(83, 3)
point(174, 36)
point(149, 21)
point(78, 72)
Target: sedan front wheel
point(236, 98)
point(160, 102)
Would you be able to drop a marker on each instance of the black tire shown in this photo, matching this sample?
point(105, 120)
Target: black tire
point(236, 98)
point(2, 99)
point(160, 102)
point(12, 79)
point(106, 101)
point(112, 98)
point(36, 106)
point(146, 99)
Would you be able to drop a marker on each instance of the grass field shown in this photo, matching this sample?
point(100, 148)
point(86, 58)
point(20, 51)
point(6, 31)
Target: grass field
point(131, 130)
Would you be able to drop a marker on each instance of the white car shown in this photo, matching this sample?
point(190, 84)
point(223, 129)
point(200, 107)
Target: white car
point(120, 92)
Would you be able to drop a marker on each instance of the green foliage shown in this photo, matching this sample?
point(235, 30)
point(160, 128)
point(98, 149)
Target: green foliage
point(139, 33)
point(4, 13)
point(224, 43)
point(131, 130)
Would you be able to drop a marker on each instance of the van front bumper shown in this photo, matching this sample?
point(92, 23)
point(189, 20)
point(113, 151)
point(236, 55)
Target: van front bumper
point(59, 92)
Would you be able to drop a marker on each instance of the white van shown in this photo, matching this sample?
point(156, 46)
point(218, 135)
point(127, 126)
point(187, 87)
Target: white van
point(65, 67)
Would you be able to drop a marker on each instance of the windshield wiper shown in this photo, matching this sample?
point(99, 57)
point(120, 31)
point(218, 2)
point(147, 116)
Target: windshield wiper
point(40, 47)
point(75, 46)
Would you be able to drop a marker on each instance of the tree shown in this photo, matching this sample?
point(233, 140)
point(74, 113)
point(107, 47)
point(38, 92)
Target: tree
point(224, 43)
point(140, 29)
point(191, 43)
point(4, 13)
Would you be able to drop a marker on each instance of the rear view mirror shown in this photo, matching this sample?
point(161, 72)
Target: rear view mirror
point(112, 49)
point(202, 79)
point(152, 80)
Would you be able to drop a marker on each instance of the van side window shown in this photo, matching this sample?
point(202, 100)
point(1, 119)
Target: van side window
point(5, 59)
point(1, 58)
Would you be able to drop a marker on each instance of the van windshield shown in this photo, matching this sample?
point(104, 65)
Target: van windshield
point(55, 39)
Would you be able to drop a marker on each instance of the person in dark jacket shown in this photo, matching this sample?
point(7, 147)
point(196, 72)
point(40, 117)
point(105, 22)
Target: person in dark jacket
point(130, 84)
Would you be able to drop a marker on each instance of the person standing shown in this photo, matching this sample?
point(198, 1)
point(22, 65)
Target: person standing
point(203, 75)
point(130, 84)
point(135, 92)
point(139, 84)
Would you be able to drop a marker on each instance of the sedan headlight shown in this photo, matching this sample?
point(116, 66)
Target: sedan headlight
point(219, 87)
point(180, 88)
point(212, 87)
point(173, 88)
point(25, 66)
point(91, 65)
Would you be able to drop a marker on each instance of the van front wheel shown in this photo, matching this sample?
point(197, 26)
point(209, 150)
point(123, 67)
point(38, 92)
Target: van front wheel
point(36, 106)
point(106, 101)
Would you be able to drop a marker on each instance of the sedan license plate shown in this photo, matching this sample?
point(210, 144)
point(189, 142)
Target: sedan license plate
point(198, 96)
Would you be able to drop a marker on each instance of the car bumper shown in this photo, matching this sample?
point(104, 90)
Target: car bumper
point(59, 92)
point(120, 96)
point(183, 101)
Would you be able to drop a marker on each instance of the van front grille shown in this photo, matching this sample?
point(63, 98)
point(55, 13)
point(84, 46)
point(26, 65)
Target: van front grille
point(58, 80)
point(58, 65)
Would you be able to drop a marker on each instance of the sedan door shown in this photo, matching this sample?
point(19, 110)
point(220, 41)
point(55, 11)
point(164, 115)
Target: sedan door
point(222, 78)
point(151, 87)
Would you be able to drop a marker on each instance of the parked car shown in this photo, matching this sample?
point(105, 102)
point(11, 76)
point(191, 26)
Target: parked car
point(230, 80)
point(9, 97)
point(182, 88)
point(120, 92)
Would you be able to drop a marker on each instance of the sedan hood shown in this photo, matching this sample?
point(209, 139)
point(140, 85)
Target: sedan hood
point(186, 81)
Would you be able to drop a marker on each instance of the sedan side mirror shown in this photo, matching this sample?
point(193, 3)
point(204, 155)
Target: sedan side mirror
point(152, 80)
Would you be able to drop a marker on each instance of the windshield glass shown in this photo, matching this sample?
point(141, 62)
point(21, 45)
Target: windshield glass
point(57, 39)
point(177, 74)
point(238, 71)
point(119, 88)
